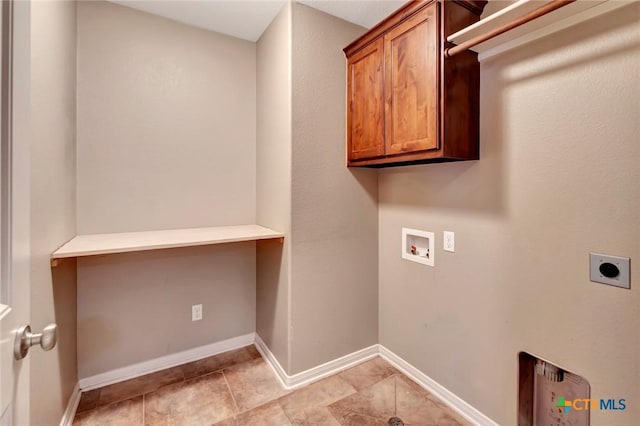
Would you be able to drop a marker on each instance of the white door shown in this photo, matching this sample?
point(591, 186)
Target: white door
point(15, 203)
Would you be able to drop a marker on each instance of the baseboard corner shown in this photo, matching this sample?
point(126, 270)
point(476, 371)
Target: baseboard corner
point(272, 362)
point(72, 406)
point(456, 403)
point(313, 374)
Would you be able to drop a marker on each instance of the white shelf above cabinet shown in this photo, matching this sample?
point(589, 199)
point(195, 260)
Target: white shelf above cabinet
point(564, 17)
point(94, 244)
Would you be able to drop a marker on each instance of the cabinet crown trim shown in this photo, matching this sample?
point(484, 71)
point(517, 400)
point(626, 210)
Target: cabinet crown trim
point(400, 15)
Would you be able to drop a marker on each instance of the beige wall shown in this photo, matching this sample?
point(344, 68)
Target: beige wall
point(166, 123)
point(334, 209)
point(137, 306)
point(273, 173)
point(53, 203)
point(166, 139)
point(557, 178)
point(316, 294)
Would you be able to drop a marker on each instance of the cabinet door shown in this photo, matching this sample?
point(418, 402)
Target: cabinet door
point(365, 89)
point(411, 81)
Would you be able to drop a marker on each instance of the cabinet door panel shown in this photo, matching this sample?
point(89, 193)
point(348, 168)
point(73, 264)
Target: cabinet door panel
point(365, 122)
point(411, 73)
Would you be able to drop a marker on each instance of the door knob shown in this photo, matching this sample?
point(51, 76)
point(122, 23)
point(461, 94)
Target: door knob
point(25, 339)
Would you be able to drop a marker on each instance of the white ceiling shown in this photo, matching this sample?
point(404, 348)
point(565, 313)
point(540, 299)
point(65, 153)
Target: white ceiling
point(365, 13)
point(247, 19)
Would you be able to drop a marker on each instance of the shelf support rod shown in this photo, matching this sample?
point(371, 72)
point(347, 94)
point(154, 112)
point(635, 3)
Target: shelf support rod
point(527, 17)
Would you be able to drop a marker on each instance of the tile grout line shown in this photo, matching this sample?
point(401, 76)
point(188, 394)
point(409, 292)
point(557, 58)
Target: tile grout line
point(288, 417)
point(98, 399)
point(333, 416)
point(368, 416)
point(395, 396)
point(235, 404)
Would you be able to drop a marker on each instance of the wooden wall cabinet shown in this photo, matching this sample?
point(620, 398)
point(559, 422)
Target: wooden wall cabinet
point(406, 102)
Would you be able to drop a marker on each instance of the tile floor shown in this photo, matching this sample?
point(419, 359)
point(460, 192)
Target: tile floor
point(237, 388)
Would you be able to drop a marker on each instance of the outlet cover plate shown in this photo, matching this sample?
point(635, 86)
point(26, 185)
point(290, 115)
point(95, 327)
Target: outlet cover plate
point(622, 263)
point(449, 241)
point(196, 312)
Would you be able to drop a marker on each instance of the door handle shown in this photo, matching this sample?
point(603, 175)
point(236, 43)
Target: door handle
point(25, 339)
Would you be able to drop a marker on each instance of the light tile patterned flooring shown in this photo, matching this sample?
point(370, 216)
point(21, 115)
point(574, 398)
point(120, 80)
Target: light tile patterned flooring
point(237, 388)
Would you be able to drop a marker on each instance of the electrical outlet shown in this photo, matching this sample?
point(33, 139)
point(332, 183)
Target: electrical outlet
point(449, 241)
point(196, 312)
point(611, 270)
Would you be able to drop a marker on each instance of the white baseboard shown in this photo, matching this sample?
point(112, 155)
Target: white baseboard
point(157, 364)
point(452, 400)
point(316, 373)
point(271, 361)
point(288, 381)
point(72, 407)
point(332, 367)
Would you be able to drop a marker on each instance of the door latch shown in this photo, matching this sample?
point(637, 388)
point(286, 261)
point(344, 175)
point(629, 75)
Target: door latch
point(25, 339)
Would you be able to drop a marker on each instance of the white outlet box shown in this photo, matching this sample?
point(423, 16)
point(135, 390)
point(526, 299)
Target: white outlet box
point(449, 241)
point(417, 246)
point(196, 312)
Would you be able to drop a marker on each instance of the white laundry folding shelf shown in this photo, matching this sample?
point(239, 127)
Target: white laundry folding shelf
point(94, 244)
